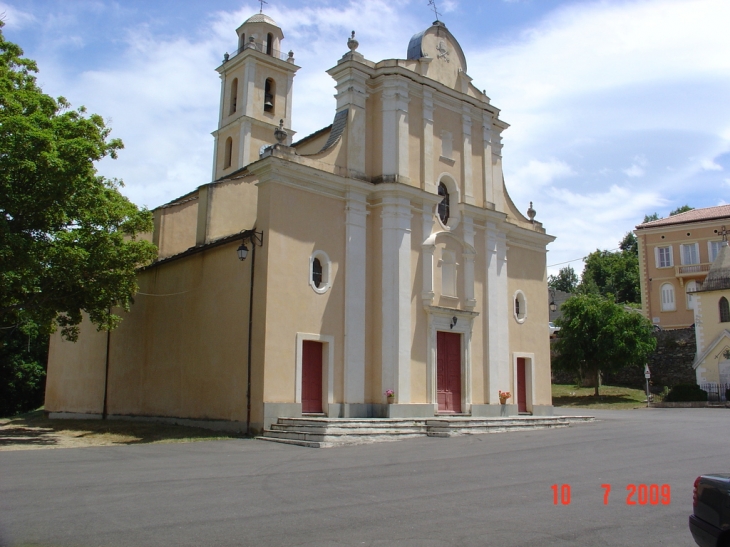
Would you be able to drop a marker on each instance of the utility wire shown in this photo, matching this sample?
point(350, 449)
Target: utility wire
point(581, 258)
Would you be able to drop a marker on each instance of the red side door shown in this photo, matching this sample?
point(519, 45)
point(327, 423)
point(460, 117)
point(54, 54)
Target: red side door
point(311, 377)
point(521, 386)
point(448, 371)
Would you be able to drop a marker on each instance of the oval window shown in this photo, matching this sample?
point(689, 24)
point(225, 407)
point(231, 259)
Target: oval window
point(317, 272)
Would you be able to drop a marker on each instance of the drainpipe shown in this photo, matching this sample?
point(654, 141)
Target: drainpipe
point(104, 411)
point(250, 338)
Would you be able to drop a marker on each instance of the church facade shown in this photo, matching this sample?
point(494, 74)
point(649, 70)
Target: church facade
point(387, 272)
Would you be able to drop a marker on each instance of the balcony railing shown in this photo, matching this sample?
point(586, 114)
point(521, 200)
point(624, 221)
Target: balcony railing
point(691, 269)
point(263, 48)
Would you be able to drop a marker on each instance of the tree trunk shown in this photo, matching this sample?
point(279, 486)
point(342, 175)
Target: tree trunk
point(597, 382)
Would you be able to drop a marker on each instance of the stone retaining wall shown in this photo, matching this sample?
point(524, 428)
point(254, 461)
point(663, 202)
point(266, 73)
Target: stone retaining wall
point(671, 364)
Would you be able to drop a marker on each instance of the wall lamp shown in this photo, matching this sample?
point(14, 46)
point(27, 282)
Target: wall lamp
point(256, 238)
point(553, 305)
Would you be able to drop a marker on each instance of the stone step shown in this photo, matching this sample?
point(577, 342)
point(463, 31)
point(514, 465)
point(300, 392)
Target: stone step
point(308, 444)
point(322, 432)
point(334, 430)
point(496, 428)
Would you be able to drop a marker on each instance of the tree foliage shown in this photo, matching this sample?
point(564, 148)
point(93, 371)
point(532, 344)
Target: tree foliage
point(68, 237)
point(23, 355)
point(566, 280)
point(682, 209)
point(614, 273)
point(649, 218)
point(599, 335)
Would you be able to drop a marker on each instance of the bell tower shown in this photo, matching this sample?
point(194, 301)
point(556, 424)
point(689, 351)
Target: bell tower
point(256, 92)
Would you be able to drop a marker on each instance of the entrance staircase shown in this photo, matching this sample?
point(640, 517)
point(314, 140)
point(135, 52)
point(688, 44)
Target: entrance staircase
point(323, 432)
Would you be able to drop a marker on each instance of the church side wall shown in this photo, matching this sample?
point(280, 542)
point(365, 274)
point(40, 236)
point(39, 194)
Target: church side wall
point(181, 351)
point(526, 271)
point(76, 372)
point(232, 207)
point(176, 227)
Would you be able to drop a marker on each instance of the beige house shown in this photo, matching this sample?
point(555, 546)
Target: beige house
point(383, 254)
point(675, 254)
point(712, 326)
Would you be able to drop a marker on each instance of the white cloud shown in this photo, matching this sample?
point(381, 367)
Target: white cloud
point(710, 165)
point(15, 18)
point(634, 171)
point(540, 173)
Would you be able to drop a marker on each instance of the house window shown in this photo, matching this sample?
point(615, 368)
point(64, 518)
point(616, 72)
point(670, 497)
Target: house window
point(714, 248)
point(319, 272)
point(664, 257)
point(690, 288)
point(228, 153)
point(667, 292)
point(690, 254)
point(724, 310)
point(234, 95)
point(443, 209)
point(269, 95)
point(520, 309)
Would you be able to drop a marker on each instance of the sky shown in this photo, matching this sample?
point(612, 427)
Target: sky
point(617, 108)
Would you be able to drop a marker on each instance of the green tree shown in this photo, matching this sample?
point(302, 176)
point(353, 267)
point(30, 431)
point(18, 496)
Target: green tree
point(649, 218)
point(682, 209)
point(598, 335)
point(614, 273)
point(565, 281)
point(68, 237)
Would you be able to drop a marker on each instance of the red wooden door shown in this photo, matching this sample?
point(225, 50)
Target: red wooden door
point(448, 371)
point(311, 376)
point(521, 386)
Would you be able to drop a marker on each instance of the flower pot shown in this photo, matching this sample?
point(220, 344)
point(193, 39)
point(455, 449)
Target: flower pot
point(391, 400)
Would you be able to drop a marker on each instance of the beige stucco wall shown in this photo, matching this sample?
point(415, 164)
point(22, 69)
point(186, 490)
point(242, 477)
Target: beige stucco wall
point(709, 328)
point(300, 223)
point(76, 371)
point(652, 277)
point(176, 226)
point(232, 207)
point(526, 270)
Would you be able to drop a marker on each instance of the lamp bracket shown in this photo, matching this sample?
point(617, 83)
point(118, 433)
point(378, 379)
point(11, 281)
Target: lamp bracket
point(257, 238)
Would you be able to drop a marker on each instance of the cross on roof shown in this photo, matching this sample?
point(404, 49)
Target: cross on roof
point(262, 2)
point(435, 9)
point(723, 232)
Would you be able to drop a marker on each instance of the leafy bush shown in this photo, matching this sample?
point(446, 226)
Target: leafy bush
point(686, 393)
point(23, 358)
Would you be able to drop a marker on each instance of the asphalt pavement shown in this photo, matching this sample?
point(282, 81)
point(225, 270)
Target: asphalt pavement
point(496, 489)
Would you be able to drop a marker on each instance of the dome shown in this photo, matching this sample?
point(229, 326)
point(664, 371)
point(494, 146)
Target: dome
point(261, 18)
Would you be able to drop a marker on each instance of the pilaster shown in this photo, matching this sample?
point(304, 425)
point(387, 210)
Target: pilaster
point(352, 95)
point(487, 175)
point(355, 285)
point(467, 156)
point(244, 144)
point(395, 128)
point(497, 311)
point(468, 257)
point(429, 184)
point(396, 297)
point(249, 87)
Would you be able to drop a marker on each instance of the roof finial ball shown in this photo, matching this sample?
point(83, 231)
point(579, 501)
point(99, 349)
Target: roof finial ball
point(531, 213)
point(280, 133)
point(352, 43)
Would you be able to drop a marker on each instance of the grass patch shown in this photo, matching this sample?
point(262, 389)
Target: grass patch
point(34, 430)
point(610, 398)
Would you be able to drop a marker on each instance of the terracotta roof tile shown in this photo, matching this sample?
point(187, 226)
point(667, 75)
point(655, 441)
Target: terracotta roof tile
point(695, 215)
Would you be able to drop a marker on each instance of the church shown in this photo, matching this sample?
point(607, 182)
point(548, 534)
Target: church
point(375, 268)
